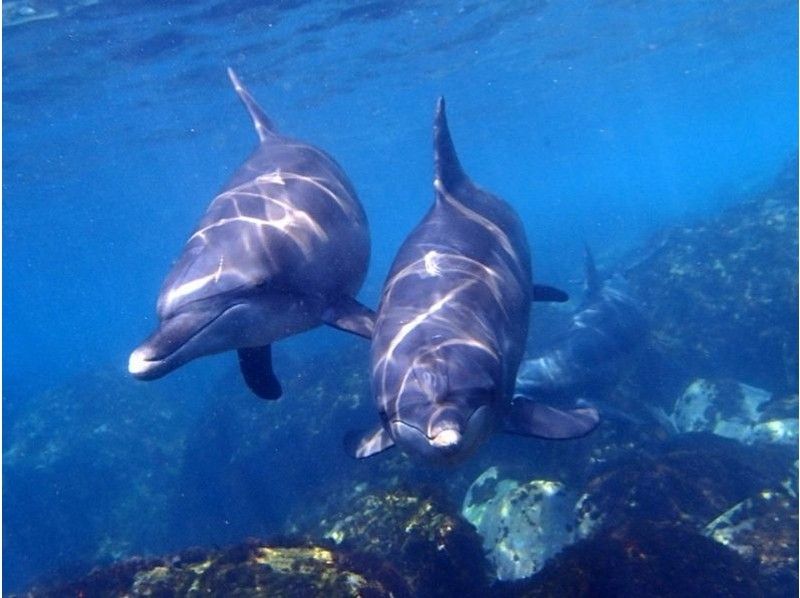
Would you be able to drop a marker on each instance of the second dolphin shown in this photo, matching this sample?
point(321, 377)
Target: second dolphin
point(452, 325)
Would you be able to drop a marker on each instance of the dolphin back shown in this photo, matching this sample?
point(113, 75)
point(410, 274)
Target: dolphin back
point(288, 220)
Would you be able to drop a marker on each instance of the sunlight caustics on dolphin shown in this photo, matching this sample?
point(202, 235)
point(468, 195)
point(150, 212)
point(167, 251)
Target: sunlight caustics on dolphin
point(452, 324)
point(283, 248)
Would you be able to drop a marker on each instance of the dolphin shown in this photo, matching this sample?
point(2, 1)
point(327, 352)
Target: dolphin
point(451, 328)
point(283, 248)
point(608, 326)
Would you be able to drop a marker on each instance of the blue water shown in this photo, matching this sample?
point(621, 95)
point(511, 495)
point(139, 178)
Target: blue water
point(599, 122)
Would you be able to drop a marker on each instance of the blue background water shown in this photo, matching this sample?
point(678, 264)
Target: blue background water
point(599, 121)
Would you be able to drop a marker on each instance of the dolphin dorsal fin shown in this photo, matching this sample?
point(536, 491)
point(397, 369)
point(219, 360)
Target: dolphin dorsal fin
point(447, 168)
point(261, 122)
point(592, 278)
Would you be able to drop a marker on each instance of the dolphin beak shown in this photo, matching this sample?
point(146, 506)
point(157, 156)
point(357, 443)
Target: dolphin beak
point(444, 447)
point(446, 439)
point(143, 363)
point(178, 340)
point(165, 350)
point(138, 364)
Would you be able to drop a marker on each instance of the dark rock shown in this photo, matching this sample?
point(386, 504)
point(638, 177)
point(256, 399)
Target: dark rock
point(251, 569)
point(684, 482)
point(763, 529)
point(89, 469)
point(721, 295)
point(433, 547)
point(251, 461)
point(643, 559)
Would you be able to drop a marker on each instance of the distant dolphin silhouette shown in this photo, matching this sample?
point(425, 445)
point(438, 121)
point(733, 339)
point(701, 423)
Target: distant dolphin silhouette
point(452, 324)
point(608, 326)
point(283, 248)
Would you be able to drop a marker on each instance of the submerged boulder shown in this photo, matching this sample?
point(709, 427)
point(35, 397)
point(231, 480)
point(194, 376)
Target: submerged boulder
point(89, 471)
point(643, 559)
point(685, 481)
point(762, 528)
point(522, 524)
point(426, 541)
point(266, 458)
point(734, 410)
point(721, 294)
point(251, 569)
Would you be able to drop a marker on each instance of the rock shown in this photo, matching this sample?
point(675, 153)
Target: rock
point(685, 481)
point(721, 294)
point(251, 569)
point(762, 528)
point(426, 541)
point(522, 525)
point(737, 411)
point(261, 455)
point(643, 559)
point(90, 470)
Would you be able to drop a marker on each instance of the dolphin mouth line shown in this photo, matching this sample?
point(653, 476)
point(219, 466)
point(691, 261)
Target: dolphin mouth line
point(408, 425)
point(194, 335)
point(421, 431)
point(418, 429)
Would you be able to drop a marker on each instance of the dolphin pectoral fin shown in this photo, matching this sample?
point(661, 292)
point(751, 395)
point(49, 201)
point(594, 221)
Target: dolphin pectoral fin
point(361, 445)
point(535, 419)
point(256, 366)
point(349, 315)
point(543, 292)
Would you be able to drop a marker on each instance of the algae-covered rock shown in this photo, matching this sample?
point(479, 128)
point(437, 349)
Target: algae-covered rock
point(644, 559)
point(762, 528)
point(721, 294)
point(737, 411)
point(251, 569)
point(251, 462)
point(434, 549)
point(685, 482)
point(89, 470)
point(522, 524)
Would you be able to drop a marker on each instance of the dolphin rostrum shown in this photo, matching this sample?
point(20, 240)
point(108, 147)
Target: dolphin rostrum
point(452, 324)
point(607, 327)
point(283, 248)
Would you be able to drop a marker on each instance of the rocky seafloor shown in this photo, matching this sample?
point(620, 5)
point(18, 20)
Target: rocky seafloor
point(688, 487)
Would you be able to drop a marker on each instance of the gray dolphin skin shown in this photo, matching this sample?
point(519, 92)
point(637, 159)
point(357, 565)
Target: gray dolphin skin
point(451, 328)
point(608, 326)
point(283, 248)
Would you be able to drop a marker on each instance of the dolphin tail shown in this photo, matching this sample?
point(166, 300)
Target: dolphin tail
point(529, 418)
point(447, 169)
point(261, 122)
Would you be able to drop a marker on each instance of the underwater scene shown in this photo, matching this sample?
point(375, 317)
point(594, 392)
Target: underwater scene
point(400, 298)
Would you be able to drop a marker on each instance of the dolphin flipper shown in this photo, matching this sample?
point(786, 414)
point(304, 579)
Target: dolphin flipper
point(349, 315)
point(535, 419)
point(261, 122)
point(256, 366)
point(543, 292)
point(361, 445)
